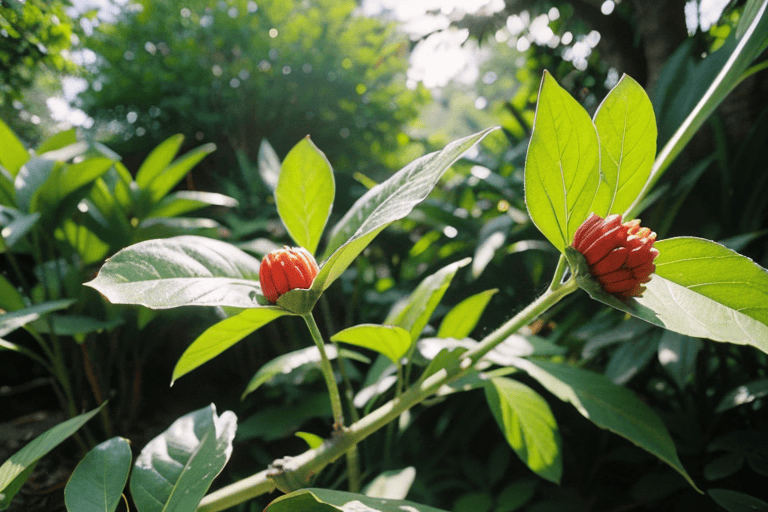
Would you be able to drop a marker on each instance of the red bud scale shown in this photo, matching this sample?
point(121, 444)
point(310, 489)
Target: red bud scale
point(286, 269)
point(620, 256)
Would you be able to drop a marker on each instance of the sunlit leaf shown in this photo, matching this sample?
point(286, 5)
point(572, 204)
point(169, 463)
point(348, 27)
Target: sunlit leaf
point(391, 485)
point(324, 500)
point(561, 168)
point(185, 201)
point(744, 394)
point(181, 271)
point(98, 481)
point(164, 181)
point(462, 318)
point(14, 225)
point(304, 193)
point(626, 127)
point(388, 340)
point(608, 406)
point(631, 357)
point(13, 154)
point(175, 469)
point(15, 471)
point(528, 426)
point(678, 356)
point(31, 177)
point(158, 159)
point(15, 319)
point(269, 164)
point(222, 335)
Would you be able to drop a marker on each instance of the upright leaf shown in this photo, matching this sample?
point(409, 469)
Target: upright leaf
point(608, 406)
point(391, 341)
point(561, 168)
point(180, 271)
point(171, 175)
point(528, 426)
point(15, 471)
point(304, 193)
point(66, 179)
point(31, 177)
point(98, 481)
point(626, 127)
point(57, 141)
point(462, 319)
point(13, 154)
point(173, 472)
point(158, 159)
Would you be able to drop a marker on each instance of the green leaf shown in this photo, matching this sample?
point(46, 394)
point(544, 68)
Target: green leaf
point(304, 193)
point(626, 128)
point(528, 426)
point(66, 179)
point(173, 472)
point(11, 321)
point(181, 271)
point(220, 336)
point(158, 159)
point(462, 318)
point(716, 272)
point(733, 501)
point(13, 153)
point(608, 406)
point(98, 481)
point(14, 225)
point(678, 356)
point(10, 297)
point(744, 394)
point(413, 312)
point(30, 179)
point(269, 165)
point(313, 440)
point(631, 357)
point(391, 485)
point(15, 471)
point(561, 168)
point(57, 141)
point(185, 201)
point(678, 309)
point(324, 500)
point(171, 175)
point(72, 325)
point(395, 198)
point(391, 341)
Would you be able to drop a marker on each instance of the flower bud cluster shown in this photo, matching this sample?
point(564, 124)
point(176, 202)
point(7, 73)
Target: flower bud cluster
point(286, 269)
point(620, 256)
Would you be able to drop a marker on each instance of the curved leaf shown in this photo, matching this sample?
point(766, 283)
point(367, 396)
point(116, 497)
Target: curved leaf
point(185, 201)
point(717, 272)
point(528, 425)
point(304, 193)
point(462, 319)
point(158, 159)
point(14, 154)
point(392, 485)
point(324, 500)
point(626, 127)
point(164, 181)
point(561, 167)
point(219, 337)
point(608, 406)
point(173, 472)
point(98, 481)
point(15, 471)
point(180, 271)
point(391, 341)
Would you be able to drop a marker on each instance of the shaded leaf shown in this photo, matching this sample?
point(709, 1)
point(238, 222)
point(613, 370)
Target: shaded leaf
point(14, 225)
point(744, 394)
point(313, 440)
point(528, 426)
point(98, 481)
point(324, 500)
point(677, 355)
point(734, 501)
point(11, 321)
point(631, 357)
point(269, 165)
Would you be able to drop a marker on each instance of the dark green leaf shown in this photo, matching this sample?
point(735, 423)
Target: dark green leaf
point(678, 355)
point(324, 500)
point(304, 193)
point(744, 394)
point(15, 319)
point(170, 176)
point(175, 469)
point(528, 426)
point(561, 168)
point(733, 501)
point(269, 165)
point(98, 481)
point(14, 225)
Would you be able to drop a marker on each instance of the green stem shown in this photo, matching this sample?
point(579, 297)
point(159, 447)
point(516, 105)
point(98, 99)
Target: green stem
point(313, 461)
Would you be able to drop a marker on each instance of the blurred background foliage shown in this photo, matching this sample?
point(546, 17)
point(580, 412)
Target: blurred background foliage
point(255, 77)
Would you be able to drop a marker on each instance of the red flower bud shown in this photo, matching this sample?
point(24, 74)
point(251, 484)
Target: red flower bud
point(620, 256)
point(286, 269)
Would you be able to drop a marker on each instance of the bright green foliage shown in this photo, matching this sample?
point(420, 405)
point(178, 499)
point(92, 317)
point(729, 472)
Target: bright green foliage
point(98, 481)
point(561, 169)
point(324, 500)
point(626, 128)
point(528, 425)
point(304, 194)
point(391, 341)
point(175, 469)
point(14, 154)
point(15, 471)
point(462, 319)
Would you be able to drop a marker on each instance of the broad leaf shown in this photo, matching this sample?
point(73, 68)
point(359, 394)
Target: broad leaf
point(631, 357)
point(391, 341)
point(220, 336)
point(98, 481)
point(171, 175)
point(14, 225)
point(734, 501)
point(626, 127)
point(395, 198)
point(678, 355)
point(324, 500)
point(462, 319)
point(744, 394)
point(158, 159)
point(15, 319)
point(304, 193)
point(13, 153)
point(66, 179)
point(173, 472)
point(181, 271)
point(30, 179)
point(57, 141)
point(413, 313)
point(608, 406)
point(391, 485)
point(716, 272)
point(15, 471)
point(528, 426)
point(185, 201)
point(678, 309)
point(561, 168)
